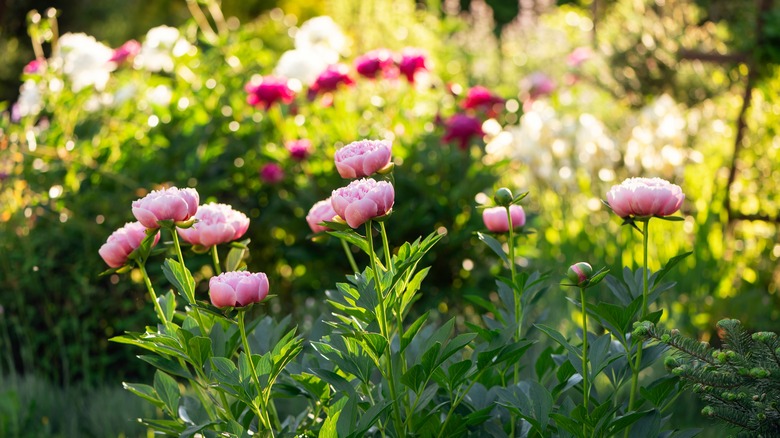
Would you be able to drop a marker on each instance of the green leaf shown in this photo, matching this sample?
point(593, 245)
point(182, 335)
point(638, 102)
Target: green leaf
point(654, 317)
point(225, 370)
point(181, 279)
point(235, 258)
point(495, 245)
point(669, 265)
point(316, 387)
point(146, 392)
point(412, 331)
point(531, 401)
point(168, 391)
point(168, 305)
point(375, 344)
point(170, 427)
point(457, 372)
point(199, 349)
point(369, 417)
point(658, 392)
point(557, 337)
point(168, 365)
point(351, 236)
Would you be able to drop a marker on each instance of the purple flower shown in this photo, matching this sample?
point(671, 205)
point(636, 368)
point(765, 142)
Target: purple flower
point(217, 223)
point(167, 204)
point(496, 221)
point(461, 128)
point(264, 91)
point(362, 158)
point(238, 288)
point(479, 97)
point(645, 197)
point(122, 242)
point(35, 66)
point(320, 212)
point(362, 200)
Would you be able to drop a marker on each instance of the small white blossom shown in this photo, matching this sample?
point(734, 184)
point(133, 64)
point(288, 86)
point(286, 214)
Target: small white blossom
point(83, 60)
point(160, 46)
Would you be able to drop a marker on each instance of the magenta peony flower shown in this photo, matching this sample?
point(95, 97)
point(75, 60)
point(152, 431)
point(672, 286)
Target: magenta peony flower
point(126, 52)
point(462, 127)
point(320, 212)
point(412, 61)
point(272, 173)
point(480, 97)
point(645, 197)
point(330, 79)
point(496, 221)
point(237, 288)
point(362, 158)
point(122, 242)
point(34, 66)
point(217, 223)
point(299, 149)
point(167, 204)
point(376, 62)
point(363, 199)
point(264, 91)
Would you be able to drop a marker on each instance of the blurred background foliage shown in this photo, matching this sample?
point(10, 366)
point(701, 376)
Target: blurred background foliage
point(681, 89)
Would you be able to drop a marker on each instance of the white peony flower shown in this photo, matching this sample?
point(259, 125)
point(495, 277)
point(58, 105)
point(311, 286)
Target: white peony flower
point(303, 65)
point(323, 36)
point(161, 45)
point(30, 101)
point(83, 60)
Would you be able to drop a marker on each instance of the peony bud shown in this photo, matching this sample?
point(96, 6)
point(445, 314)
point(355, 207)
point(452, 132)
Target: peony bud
point(644, 197)
point(168, 204)
point(579, 273)
point(503, 197)
point(363, 200)
point(216, 224)
point(122, 242)
point(237, 289)
point(496, 220)
point(362, 158)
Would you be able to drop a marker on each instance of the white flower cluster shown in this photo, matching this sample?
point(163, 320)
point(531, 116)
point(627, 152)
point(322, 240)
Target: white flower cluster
point(319, 42)
point(161, 45)
point(554, 147)
point(83, 60)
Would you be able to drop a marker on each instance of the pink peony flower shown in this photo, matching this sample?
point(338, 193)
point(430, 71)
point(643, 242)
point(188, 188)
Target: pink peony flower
point(320, 212)
point(645, 197)
point(496, 221)
point(374, 63)
point(299, 149)
point(122, 242)
point(126, 52)
point(537, 85)
point(480, 97)
point(330, 79)
point(412, 61)
point(167, 204)
point(362, 158)
point(34, 66)
point(578, 56)
point(363, 199)
point(237, 288)
point(264, 91)
point(462, 127)
point(217, 223)
point(272, 173)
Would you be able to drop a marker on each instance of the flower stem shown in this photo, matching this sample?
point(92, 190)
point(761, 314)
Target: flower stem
point(148, 283)
point(215, 259)
point(382, 315)
point(350, 257)
point(385, 245)
point(260, 411)
point(190, 294)
point(638, 363)
point(518, 301)
point(585, 383)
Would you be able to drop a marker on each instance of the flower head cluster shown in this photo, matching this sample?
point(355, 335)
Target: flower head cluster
point(168, 204)
point(216, 224)
point(161, 45)
point(412, 62)
point(330, 79)
point(496, 220)
point(122, 242)
point(362, 200)
point(238, 288)
point(272, 173)
point(644, 197)
point(461, 128)
point(362, 158)
point(480, 98)
point(299, 149)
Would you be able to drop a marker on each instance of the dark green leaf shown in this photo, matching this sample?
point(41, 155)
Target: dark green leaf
point(146, 392)
point(411, 332)
point(168, 391)
point(168, 365)
point(199, 349)
point(495, 245)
